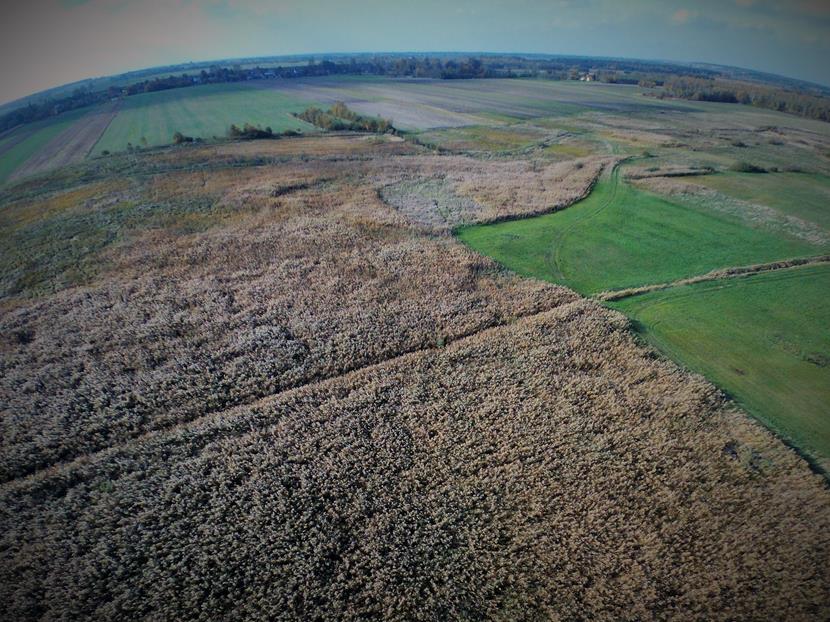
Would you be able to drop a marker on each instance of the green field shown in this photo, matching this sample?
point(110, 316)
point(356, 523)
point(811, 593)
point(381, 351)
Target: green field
point(622, 237)
point(804, 195)
point(765, 339)
point(199, 111)
point(39, 134)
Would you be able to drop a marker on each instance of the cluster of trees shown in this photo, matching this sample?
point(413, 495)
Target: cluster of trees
point(747, 167)
point(250, 132)
point(340, 117)
point(782, 100)
point(179, 138)
point(254, 132)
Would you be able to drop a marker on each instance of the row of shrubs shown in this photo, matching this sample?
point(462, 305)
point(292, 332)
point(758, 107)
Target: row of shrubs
point(246, 132)
point(338, 117)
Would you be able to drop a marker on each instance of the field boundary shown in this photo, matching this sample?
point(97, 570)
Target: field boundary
point(115, 110)
point(714, 275)
point(544, 211)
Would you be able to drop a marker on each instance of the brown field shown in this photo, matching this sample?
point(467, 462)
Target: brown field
point(198, 289)
point(279, 396)
point(70, 146)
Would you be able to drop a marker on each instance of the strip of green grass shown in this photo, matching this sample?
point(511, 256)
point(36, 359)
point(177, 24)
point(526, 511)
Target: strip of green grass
point(623, 237)
point(804, 195)
point(200, 111)
point(765, 339)
point(41, 134)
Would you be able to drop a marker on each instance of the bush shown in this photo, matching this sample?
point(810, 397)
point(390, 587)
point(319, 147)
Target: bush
point(746, 167)
point(179, 138)
point(249, 132)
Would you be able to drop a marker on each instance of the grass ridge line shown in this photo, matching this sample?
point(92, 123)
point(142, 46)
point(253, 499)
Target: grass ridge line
point(714, 275)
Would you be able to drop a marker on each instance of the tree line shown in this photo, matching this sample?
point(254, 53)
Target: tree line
point(670, 80)
point(782, 100)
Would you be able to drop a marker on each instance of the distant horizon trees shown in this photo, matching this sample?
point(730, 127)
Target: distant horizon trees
point(686, 82)
point(761, 96)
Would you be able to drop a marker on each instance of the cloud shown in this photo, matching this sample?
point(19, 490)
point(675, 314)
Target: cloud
point(817, 8)
point(681, 16)
point(44, 43)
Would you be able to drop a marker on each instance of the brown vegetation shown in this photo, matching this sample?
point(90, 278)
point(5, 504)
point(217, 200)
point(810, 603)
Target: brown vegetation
point(282, 398)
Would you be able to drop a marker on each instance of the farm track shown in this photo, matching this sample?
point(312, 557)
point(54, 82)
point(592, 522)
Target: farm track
point(553, 258)
point(714, 275)
point(10, 485)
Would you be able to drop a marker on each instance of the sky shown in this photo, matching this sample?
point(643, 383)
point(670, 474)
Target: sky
point(46, 43)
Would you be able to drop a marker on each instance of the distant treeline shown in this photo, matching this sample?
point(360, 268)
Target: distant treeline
point(673, 80)
point(801, 104)
point(340, 117)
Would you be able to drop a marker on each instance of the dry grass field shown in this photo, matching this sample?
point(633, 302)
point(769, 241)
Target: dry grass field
point(263, 381)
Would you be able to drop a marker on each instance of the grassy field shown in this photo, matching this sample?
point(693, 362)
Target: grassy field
point(803, 195)
point(623, 237)
point(763, 338)
point(201, 111)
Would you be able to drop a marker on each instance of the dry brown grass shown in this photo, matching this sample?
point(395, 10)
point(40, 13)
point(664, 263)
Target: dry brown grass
point(479, 191)
point(27, 211)
point(288, 290)
point(546, 469)
point(316, 408)
point(312, 146)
